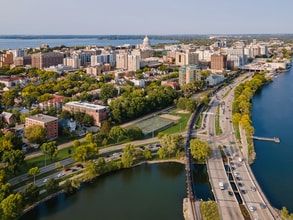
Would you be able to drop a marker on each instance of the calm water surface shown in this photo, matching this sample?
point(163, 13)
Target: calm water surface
point(33, 43)
point(272, 117)
point(145, 192)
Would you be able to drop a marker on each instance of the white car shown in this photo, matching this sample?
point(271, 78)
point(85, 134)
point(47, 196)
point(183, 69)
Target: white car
point(60, 175)
point(251, 208)
point(45, 180)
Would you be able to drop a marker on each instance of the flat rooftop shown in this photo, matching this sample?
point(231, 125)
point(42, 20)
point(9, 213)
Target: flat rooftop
point(86, 105)
point(42, 118)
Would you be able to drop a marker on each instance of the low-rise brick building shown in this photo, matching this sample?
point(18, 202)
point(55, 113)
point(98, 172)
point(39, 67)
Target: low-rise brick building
point(46, 121)
point(98, 112)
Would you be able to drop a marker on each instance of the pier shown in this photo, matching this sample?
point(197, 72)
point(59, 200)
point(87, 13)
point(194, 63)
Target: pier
point(274, 139)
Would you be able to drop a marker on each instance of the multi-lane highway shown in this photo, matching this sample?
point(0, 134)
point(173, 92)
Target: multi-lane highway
point(241, 177)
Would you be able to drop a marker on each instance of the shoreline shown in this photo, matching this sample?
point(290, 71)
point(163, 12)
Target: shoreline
point(54, 195)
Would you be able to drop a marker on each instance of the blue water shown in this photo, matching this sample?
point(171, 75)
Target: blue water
point(272, 117)
point(33, 43)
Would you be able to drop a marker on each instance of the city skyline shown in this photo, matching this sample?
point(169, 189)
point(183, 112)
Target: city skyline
point(151, 17)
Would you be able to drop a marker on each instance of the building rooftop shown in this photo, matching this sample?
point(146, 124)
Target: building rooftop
point(42, 118)
point(86, 105)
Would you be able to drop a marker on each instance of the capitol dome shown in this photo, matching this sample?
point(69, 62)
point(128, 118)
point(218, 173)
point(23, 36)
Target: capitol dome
point(146, 43)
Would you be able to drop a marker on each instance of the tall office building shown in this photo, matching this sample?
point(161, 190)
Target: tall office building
point(189, 74)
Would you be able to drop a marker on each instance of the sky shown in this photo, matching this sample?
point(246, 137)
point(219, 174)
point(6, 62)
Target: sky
point(152, 17)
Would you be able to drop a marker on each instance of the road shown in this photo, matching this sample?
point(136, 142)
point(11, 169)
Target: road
point(50, 167)
point(242, 177)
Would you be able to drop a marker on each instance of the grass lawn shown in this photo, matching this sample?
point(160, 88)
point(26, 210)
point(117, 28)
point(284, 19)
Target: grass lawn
point(180, 126)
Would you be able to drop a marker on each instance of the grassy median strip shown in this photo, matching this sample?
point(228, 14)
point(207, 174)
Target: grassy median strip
point(217, 122)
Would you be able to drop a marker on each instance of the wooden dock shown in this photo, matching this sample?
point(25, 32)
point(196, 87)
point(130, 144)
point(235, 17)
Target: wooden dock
point(274, 139)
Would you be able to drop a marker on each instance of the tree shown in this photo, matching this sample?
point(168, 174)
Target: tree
point(88, 120)
point(89, 138)
point(52, 186)
point(171, 145)
point(14, 159)
point(285, 212)
point(35, 134)
point(8, 98)
point(200, 150)
point(5, 190)
point(134, 133)
point(33, 172)
point(107, 91)
point(65, 114)
point(147, 154)
point(128, 155)
point(116, 133)
point(76, 143)
point(86, 151)
point(91, 170)
point(11, 206)
point(50, 149)
point(30, 194)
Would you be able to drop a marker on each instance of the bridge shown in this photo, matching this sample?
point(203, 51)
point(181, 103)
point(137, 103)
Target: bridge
point(194, 203)
point(274, 139)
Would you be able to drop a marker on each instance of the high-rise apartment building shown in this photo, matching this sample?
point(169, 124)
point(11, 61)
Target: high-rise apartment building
point(121, 60)
point(189, 74)
point(218, 62)
point(6, 59)
point(133, 62)
point(101, 59)
point(43, 60)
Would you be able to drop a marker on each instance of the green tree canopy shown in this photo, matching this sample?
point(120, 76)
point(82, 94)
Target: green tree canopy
point(11, 206)
point(14, 159)
point(200, 150)
point(35, 134)
point(33, 172)
point(116, 133)
point(128, 155)
point(50, 149)
point(107, 91)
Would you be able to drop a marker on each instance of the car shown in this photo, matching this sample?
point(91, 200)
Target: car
point(221, 185)
point(45, 180)
point(230, 193)
point(251, 208)
point(243, 191)
point(262, 205)
point(240, 184)
point(60, 175)
point(238, 178)
point(79, 165)
point(253, 188)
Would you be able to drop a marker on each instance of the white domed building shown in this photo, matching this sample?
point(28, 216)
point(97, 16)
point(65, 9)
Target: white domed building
point(146, 44)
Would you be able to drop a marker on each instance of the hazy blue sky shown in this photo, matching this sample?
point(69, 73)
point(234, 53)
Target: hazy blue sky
point(146, 17)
